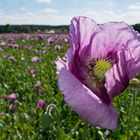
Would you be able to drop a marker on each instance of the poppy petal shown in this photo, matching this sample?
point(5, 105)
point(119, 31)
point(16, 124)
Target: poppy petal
point(83, 101)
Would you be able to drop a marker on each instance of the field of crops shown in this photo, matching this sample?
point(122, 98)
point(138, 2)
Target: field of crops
point(33, 108)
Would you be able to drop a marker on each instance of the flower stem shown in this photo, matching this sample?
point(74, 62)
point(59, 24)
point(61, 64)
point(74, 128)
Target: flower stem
point(132, 112)
point(85, 131)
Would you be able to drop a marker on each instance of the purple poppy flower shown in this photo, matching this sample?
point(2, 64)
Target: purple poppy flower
point(99, 64)
point(38, 84)
point(10, 45)
point(32, 71)
point(36, 59)
point(50, 40)
point(5, 98)
point(1, 114)
point(11, 58)
point(58, 47)
point(16, 46)
point(12, 107)
point(10, 39)
point(40, 37)
point(41, 104)
point(13, 96)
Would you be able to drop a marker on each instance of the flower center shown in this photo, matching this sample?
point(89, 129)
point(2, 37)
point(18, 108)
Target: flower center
point(100, 68)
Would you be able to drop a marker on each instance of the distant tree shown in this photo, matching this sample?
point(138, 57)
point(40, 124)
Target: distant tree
point(27, 29)
point(32, 28)
point(8, 28)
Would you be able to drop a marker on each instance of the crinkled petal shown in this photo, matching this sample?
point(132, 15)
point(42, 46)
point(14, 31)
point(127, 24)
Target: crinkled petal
point(82, 30)
point(117, 78)
point(89, 39)
point(111, 37)
point(134, 46)
point(83, 101)
point(135, 68)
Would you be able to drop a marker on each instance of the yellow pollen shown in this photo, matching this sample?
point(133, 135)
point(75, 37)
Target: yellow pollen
point(100, 68)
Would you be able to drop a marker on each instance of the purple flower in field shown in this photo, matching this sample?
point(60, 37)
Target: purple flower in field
point(10, 39)
point(32, 71)
point(38, 84)
point(13, 96)
point(58, 47)
point(50, 40)
point(16, 46)
point(40, 37)
point(12, 107)
point(11, 58)
point(1, 114)
point(36, 59)
point(10, 45)
point(41, 104)
point(5, 98)
point(99, 64)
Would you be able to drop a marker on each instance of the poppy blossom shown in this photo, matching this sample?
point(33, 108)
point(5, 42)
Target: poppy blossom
point(1, 114)
point(41, 104)
point(98, 66)
point(58, 47)
point(12, 107)
point(13, 96)
point(32, 71)
point(38, 84)
point(5, 98)
point(36, 59)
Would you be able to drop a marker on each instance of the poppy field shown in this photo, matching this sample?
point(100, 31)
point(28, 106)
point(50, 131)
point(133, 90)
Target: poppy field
point(31, 104)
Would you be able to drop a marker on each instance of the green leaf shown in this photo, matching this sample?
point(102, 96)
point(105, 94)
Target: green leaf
point(61, 135)
point(46, 120)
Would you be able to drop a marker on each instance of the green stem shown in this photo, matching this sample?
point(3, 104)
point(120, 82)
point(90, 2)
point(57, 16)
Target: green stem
point(132, 112)
point(85, 131)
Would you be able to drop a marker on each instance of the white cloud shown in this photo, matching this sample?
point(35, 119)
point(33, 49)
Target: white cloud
point(50, 11)
point(54, 17)
point(102, 16)
point(135, 6)
point(23, 8)
point(130, 17)
point(30, 14)
point(44, 1)
point(1, 14)
point(32, 18)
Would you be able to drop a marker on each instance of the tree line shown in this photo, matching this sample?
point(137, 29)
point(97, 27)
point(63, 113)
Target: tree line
point(41, 28)
point(33, 28)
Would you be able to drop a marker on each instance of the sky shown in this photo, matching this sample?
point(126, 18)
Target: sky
point(60, 12)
